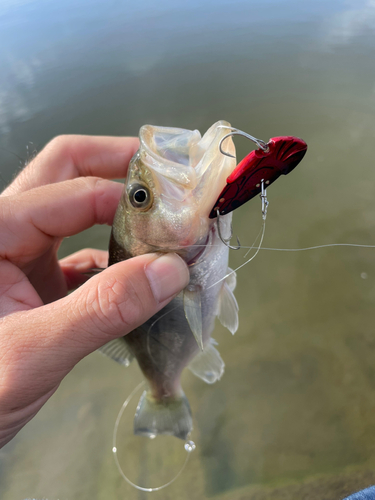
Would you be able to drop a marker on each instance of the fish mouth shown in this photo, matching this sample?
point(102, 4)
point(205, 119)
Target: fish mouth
point(191, 254)
point(201, 248)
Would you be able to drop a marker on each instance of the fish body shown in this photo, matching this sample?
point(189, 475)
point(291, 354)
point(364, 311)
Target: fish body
point(171, 186)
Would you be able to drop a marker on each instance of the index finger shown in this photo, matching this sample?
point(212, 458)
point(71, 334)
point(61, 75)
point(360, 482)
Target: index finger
point(70, 156)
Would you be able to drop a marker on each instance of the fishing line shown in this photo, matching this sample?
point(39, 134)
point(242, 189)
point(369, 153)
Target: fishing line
point(303, 249)
point(263, 229)
point(358, 245)
point(253, 245)
point(152, 325)
point(189, 447)
point(265, 204)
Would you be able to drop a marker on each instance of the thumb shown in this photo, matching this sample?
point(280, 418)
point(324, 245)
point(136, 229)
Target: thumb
point(51, 339)
point(122, 298)
point(115, 302)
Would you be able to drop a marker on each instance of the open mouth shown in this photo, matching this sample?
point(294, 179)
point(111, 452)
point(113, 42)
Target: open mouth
point(192, 254)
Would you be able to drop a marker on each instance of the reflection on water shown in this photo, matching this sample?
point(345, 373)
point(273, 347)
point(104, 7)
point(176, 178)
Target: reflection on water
point(293, 417)
point(354, 21)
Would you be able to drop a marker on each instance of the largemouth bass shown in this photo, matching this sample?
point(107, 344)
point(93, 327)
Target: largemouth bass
point(172, 184)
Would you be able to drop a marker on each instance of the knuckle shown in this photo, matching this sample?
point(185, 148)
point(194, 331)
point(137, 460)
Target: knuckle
point(59, 141)
point(59, 148)
point(94, 183)
point(56, 149)
point(97, 188)
point(116, 305)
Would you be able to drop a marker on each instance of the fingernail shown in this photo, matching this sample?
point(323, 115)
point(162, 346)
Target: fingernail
point(167, 276)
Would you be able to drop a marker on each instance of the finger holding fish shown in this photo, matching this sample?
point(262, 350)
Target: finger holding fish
point(70, 156)
point(32, 233)
point(43, 332)
point(80, 266)
point(52, 338)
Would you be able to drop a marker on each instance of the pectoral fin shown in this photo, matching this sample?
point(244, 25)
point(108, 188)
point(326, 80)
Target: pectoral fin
point(118, 351)
point(208, 364)
point(228, 307)
point(231, 279)
point(193, 313)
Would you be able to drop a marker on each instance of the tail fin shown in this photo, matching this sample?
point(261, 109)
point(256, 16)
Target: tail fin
point(172, 417)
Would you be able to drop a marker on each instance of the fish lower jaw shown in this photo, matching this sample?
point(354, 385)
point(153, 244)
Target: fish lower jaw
point(190, 254)
point(190, 251)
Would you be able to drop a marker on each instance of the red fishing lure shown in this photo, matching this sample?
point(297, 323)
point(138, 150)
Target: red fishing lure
point(281, 156)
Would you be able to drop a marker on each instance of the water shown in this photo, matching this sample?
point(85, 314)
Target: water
point(293, 416)
point(189, 446)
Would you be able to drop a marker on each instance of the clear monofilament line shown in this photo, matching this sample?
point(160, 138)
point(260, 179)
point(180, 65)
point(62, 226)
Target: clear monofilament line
point(303, 249)
point(189, 446)
point(249, 260)
point(328, 245)
point(253, 245)
point(257, 251)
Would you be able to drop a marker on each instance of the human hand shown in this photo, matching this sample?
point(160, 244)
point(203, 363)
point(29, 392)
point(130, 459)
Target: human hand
point(43, 331)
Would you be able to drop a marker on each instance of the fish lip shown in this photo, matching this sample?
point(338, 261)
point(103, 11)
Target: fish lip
point(194, 258)
point(191, 259)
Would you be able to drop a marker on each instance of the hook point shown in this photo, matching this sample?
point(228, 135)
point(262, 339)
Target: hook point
point(226, 241)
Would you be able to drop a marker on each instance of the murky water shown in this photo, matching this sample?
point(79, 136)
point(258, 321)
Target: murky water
point(294, 415)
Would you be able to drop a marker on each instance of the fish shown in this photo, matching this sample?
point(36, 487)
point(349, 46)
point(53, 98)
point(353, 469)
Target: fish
point(172, 184)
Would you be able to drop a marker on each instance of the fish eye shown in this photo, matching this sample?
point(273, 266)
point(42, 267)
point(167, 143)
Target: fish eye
point(140, 196)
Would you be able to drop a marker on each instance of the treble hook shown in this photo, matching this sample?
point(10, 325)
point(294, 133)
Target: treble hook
point(235, 131)
point(226, 241)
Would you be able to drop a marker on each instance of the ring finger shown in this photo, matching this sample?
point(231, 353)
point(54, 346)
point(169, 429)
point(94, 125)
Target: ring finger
point(77, 266)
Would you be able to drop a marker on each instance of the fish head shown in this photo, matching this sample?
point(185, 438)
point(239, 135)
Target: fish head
point(172, 183)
